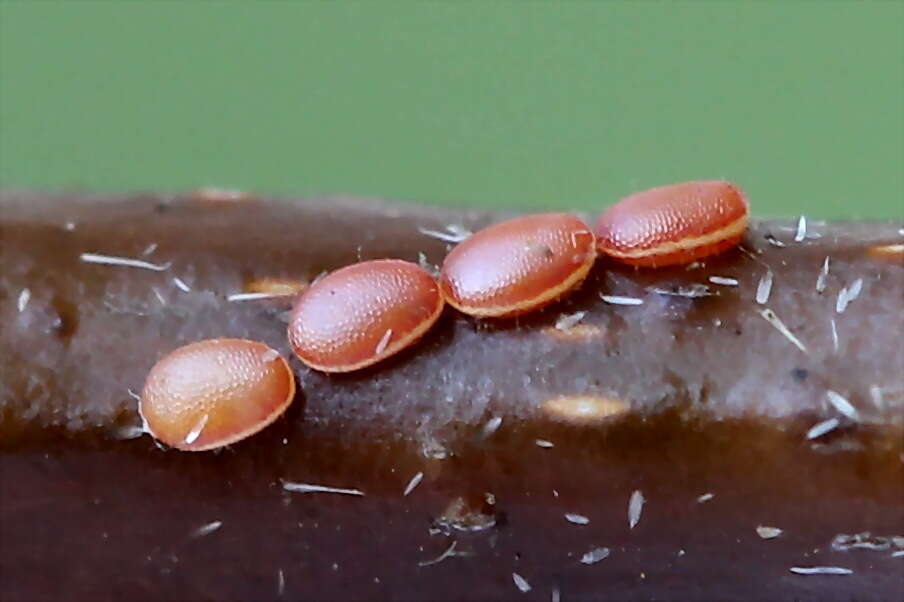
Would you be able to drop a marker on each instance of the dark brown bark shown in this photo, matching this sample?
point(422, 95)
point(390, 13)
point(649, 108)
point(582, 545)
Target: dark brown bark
point(691, 396)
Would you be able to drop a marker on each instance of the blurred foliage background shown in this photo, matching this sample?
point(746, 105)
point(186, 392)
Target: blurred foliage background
point(461, 103)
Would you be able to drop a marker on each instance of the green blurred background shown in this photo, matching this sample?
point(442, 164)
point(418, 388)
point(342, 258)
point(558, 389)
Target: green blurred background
point(459, 103)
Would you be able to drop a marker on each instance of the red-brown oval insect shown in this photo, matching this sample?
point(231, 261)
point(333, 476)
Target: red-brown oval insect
point(674, 224)
point(363, 313)
point(518, 266)
point(215, 392)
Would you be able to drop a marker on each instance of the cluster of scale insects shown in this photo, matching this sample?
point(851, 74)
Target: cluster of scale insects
point(216, 392)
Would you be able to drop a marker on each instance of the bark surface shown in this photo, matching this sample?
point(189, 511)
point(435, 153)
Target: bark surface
point(514, 424)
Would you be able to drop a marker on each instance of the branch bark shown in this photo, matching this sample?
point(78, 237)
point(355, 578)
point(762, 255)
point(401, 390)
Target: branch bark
point(676, 397)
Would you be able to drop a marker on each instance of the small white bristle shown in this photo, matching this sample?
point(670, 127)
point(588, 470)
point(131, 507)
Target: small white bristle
point(774, 241)
point(237, 297)
point(768, 532)
point(617, 300)
point(269, 355)
point(384, 342)
point(823, 275)
point(450, 551)
point(122, 262)
point(820, 570)
point(180, 284)
point(207, 529)
point(705, 497)
point(848, 294)
point(133, 394)
point(841, 302)
point(595, 555)
point(149, 249)
point(577, 519)
point(453, 234)
point(723, 281)
point(776, 323)
point(492, 425)
point(875, 395)
point(834, 335)
point(414, 482)
point(801, 233)
point(280, 583)
point(426, 265)
point(158, 295)
point(308, 488)
point(521, 583)
point(574, 237)
point(821, 428)
point(692, 291)
point(566, 321)
point(635, 507)
point(764, 288)
point(22, 302)
point(459, 230)
point(544, 443)
point(556, 595)
point(842, 404)
point(898, 554)
point(195, 432)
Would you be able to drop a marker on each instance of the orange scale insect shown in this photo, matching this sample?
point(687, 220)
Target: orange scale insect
point(362, 314)
point(518, 266)
point(672, 225)
point(216, 392)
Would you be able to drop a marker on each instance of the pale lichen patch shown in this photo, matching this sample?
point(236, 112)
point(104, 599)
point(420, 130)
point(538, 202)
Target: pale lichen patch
point(584, 408)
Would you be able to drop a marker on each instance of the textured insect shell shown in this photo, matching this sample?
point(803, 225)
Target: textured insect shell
point(215, 392)
point(519, 265)
point(674, 224)
point(362, 314)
